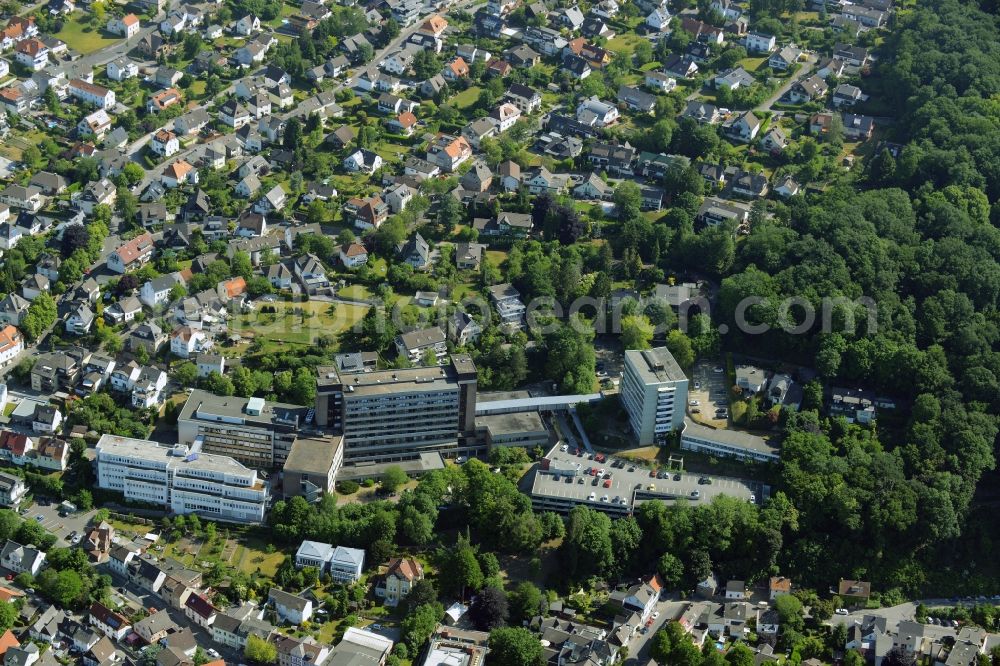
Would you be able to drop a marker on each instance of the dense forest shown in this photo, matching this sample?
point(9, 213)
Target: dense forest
point(917, 234)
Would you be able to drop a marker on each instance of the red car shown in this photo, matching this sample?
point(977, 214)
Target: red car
point(607, 484)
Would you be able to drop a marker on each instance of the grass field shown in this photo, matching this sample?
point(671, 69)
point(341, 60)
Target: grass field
point(252, 556)
point(752, 64)
point(300, 323)
point(355, 292)
point(624, 44)
point(84, 38)
point(466, 98)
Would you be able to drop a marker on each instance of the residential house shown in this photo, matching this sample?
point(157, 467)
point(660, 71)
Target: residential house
point(126, 26)
point(353, 255)
point(786, 187)
point(154, 627)
point(95, 124)
point(507, 301)
point(858, 127)
point(290, 608)
point(32, 53)
point(463, 329)
point(89, 93)
point(112, 624)
point(179, 173)
point(415, 252)
point(526, 99)
point(28, 198)
point(783, 59)
point(743, 127)
point(774, 141)
point(131, 254)
point(271, 202)
point(12, 491)
point(733, 79)
point(368, 213)
point(401, 574)
point(164, 143)
point(22, 559)
point(415, 344)
point(807, 89)
point(469, 256)
point(596, 113)
point(80, 320)
point(163, 99)
point(449, 152)
point(846, 95)
point(660, 82)
point(680, 67)
point(759, 42)
point(363, 161)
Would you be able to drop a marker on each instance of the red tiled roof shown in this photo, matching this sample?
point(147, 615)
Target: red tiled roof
point(7, 641)
point(9, 337)
point(235, 287)
point(135, 248)
point(406, 119)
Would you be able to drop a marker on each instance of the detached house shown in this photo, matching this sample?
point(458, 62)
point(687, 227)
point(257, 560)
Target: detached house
point(88, 93)
point(449, 152)
point(743, 128)
point(400, 577)
point(164, 143)
point(126, 26)
point(132, 254)
point(363, 161)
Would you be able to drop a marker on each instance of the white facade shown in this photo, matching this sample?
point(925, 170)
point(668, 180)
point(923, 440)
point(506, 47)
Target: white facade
point(181, 479)
point(654, 393)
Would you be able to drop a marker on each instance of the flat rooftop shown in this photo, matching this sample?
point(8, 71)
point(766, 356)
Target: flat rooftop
point(202, 405)
point(490, 396)
point(427, 462)
point(655, 366)
point(738, 438)
point(514, 422)
point(631, 483)
point(313, 455)
point(377, 382)
point(175, 456)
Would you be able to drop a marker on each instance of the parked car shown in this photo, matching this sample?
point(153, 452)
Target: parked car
point(695, 494)
point(841, 611)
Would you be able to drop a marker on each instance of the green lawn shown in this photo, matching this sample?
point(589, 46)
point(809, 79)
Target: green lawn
point(355, 292)
point(300, 323)
point(84, 38)
point(624, 44)
point(752, 64)
point(253, 557)
point(466, 98)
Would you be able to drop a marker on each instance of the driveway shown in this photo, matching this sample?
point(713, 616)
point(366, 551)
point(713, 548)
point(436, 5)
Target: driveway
point(807, 67)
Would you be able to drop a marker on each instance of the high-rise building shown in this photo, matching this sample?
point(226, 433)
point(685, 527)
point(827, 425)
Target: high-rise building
point(257, 433)
point(391, 415)
point(654, 392)
point(181, 479)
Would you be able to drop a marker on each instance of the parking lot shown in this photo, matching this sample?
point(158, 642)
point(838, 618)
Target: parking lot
point(618, 486)
point(62, 526)
point(707, 388)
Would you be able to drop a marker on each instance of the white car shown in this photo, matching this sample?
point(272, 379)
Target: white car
point(717, 369)
point(592, 496)
point(564, 448)
point(753, 498)
point(841, 611)
point(604, 498)
point(694, 403)
point(656, 614)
